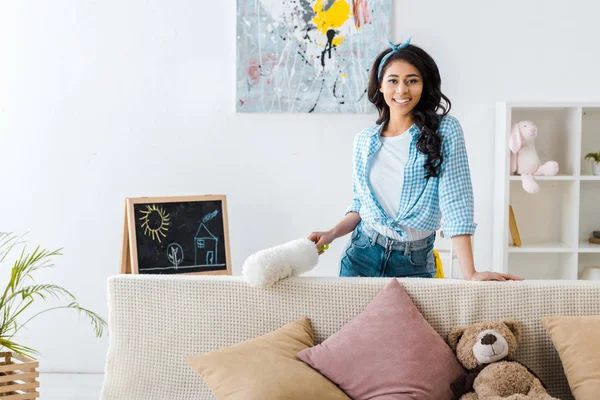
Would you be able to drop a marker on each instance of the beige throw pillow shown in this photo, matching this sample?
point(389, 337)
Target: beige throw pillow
point(576, 340)
point(266, 368)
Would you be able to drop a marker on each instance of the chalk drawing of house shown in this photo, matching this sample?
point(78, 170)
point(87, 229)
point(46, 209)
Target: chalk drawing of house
point(205, 246)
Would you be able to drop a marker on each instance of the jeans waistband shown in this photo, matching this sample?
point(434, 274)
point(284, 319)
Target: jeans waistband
point(393, 244)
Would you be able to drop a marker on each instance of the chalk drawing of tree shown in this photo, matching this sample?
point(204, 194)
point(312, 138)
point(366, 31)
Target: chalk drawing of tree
point(175, 254)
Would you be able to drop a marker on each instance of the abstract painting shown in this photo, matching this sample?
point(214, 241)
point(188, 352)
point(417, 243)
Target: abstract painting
point(307, 56)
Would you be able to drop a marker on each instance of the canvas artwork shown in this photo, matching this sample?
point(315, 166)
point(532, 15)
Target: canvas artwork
point(308, 55)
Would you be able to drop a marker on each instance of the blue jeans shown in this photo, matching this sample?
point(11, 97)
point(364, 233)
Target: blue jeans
point(371, 254)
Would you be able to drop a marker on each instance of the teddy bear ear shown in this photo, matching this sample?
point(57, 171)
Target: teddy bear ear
point(455, 335)
point(515, 328)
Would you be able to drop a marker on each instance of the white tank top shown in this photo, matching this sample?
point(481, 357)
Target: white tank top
point(386, 177)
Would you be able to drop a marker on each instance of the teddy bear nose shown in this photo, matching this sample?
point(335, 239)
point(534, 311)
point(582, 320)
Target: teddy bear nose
point(488, 339)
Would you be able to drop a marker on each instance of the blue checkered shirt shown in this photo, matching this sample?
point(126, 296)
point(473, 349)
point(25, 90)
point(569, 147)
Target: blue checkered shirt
point(423, 202)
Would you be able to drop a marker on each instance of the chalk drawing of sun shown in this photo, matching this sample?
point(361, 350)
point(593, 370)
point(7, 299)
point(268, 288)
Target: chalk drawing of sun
point(155, 222)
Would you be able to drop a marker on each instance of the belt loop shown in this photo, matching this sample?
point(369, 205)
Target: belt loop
point(406, 248)
point(374, 237)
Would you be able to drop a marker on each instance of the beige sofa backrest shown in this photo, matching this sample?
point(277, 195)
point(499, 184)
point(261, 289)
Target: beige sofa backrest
point(156, 321)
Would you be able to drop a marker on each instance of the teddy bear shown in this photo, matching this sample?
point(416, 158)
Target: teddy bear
point(485, 350)
point(524, 158)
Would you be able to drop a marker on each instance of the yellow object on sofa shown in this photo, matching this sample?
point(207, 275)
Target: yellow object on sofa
point(438, 265)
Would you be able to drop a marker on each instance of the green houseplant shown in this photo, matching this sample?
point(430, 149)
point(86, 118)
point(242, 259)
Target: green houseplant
point(21, 292)
point(595, 160)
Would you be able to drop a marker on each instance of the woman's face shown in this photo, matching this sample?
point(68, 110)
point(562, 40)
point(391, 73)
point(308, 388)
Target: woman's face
point(401, 86)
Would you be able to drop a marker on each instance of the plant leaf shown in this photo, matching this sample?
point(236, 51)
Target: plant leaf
point(42, 291)
point(593, 156)
point(18, 296)
point(97, 321)
point(18, 348)
point(7, 242)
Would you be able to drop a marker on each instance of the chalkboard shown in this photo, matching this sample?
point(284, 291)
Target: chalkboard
point(176, 235)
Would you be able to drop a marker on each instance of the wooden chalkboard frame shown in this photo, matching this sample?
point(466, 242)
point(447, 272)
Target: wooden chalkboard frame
point(129, 256)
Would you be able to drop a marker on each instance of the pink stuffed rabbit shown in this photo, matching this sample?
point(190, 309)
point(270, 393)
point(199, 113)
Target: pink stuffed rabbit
point(524, 158)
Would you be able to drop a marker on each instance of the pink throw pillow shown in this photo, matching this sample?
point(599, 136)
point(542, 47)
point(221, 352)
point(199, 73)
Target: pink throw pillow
point(389, 351)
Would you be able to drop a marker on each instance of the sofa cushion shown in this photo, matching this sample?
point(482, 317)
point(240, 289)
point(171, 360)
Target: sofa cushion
point(388, 351)
point(266, 368)
point(576, 340)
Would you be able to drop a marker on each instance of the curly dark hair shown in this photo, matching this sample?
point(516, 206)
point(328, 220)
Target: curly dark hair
point(430, 110)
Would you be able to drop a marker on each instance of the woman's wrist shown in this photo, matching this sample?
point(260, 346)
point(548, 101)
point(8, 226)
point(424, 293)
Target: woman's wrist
point(469, 275)
point(467, 269)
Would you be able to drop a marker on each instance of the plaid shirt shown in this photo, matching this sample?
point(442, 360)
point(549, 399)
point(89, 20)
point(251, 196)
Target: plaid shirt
point(423, 202)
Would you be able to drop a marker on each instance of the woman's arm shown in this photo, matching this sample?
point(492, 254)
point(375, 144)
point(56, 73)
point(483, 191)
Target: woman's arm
point(456, 202)
point(342, 228)
point(455, 188)
point(346, 225)
point(464, 253)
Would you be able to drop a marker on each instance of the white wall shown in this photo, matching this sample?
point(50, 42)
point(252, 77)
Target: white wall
point(102, 100)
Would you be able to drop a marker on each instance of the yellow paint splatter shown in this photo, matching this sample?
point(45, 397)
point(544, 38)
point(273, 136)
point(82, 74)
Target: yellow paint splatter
point(334, 17)
point(344, 75)
point(336, 41)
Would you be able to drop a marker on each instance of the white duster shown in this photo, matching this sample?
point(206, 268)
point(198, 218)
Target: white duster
point(266, 267)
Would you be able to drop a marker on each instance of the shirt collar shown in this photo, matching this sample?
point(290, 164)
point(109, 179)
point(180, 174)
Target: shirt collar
point(378, 128)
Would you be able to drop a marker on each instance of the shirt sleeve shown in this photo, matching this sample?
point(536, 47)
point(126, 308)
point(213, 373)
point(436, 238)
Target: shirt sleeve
point(355, 205)
point(455, 189)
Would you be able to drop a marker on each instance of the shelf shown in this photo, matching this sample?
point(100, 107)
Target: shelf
point(548, 247)
point(558, 134)
point(587, 247)
point(559, 178)
point(542, 265)
point(546, 178)
point(587, 261)
point(554, 225)
point(550, 104)
point(590, 137)
point(546, 217)
point(589, 215)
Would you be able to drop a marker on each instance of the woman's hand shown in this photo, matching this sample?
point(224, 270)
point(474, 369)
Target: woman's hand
point(342, 228)
point(464, 252)
point(321, 239)
point(493, 276)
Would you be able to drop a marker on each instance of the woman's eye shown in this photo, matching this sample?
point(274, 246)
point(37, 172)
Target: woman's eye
point(392, 81)
point(412, 81)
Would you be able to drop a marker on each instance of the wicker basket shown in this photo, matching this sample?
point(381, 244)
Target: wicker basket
point(18, 377)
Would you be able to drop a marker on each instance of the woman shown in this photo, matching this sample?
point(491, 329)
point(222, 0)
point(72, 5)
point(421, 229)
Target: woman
point(410, 170)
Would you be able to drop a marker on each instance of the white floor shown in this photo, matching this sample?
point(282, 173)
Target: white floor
point(70, 386)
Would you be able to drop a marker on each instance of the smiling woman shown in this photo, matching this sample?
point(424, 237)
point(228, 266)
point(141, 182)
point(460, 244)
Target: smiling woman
point(402, 87)
point(410, 170)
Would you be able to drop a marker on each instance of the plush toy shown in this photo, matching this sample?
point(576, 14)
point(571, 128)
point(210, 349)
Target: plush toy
point(485, 351)
point(524, 159)
point(266, 267)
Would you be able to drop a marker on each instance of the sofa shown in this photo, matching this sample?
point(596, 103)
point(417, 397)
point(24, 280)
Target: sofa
point(156, 321)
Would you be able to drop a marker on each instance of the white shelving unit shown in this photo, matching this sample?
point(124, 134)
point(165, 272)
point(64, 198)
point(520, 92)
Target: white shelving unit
point(555, 223)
